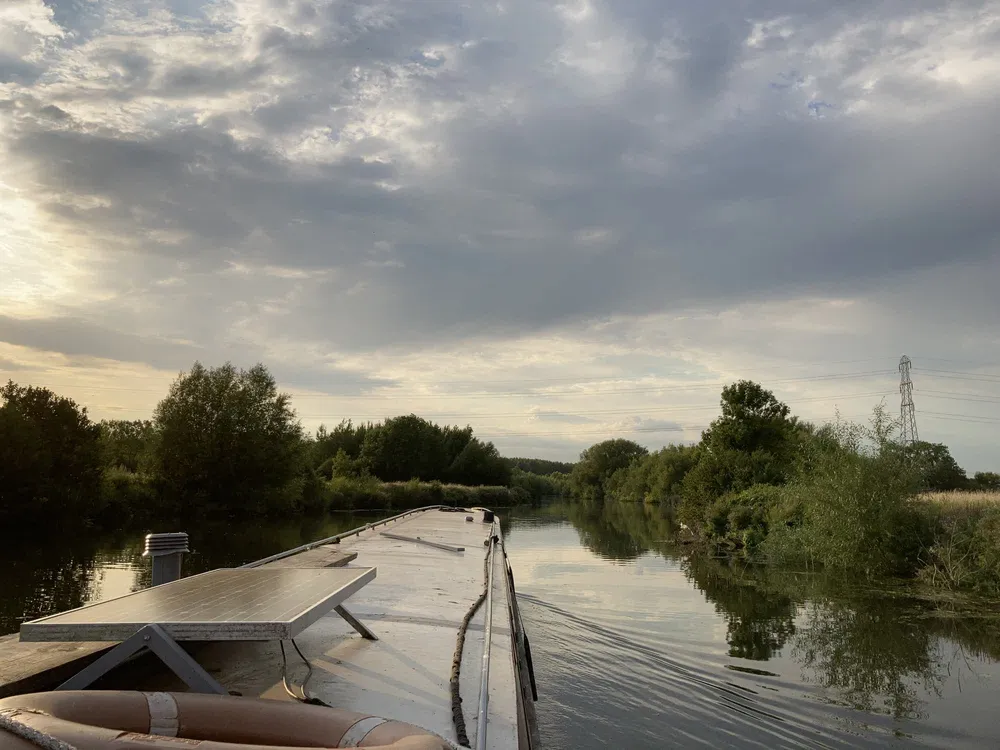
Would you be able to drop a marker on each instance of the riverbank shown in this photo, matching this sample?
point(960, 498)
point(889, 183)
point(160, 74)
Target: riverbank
point(225, 443)
point(133, 493)
point(847, 498)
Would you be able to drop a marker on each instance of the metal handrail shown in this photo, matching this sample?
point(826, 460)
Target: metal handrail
point(484, 684)
point(338, 537)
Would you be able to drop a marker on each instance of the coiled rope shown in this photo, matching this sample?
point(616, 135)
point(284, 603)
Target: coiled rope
point(456, 663)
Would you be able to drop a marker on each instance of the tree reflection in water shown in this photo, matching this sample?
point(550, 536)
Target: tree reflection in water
point(759, 623)
point(873, 650)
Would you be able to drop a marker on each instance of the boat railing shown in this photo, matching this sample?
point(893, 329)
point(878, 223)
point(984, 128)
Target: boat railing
point(484, 684)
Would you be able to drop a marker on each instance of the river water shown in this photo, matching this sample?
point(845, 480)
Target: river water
point(638, 644)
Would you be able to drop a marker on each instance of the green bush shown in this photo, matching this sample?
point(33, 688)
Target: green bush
point(598, 464)
point(725, 471)
point(349, 493)
point(368, 493)
point(128, 495)
point(966, 549)
point(742, 519)
point(656, 478)
point(492, 497)
point(536, 488)
point(454, 495)
point(314, 493)
point(855, 511)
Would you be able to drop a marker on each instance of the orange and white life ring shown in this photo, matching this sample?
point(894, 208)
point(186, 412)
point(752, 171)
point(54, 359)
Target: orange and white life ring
point(124, 720)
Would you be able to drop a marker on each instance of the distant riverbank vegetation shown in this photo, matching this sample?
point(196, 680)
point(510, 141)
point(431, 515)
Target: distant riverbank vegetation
point(226, 442)
point(760, 484)
point(845, 497)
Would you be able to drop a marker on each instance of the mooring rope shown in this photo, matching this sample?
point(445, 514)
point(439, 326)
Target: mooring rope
point(15, 727)
point(456, 663)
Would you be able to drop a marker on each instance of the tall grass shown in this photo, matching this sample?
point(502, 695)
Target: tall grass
point(366, 493)
point(971, 498)
point(965, 553)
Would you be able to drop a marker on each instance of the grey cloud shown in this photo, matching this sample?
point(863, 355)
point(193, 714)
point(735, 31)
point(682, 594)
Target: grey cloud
point(79, 18)
point(709, 193)
point(207, 185)
point(84, 341)
point(75, 337)
point(17, 70)
point(191, 80)
point(9, 365)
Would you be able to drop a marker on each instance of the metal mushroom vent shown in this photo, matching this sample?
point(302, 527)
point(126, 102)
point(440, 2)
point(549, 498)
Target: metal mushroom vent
point(167, 551)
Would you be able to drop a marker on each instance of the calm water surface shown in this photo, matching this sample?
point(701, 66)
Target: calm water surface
point(637, 644)
point(47, 575)
point(637, 647)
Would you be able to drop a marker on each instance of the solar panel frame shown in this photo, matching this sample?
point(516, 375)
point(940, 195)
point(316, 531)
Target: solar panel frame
point(182, 608)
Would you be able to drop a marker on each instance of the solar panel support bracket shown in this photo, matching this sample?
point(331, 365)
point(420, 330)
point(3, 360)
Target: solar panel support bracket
point(355, 623)
point(157, 640)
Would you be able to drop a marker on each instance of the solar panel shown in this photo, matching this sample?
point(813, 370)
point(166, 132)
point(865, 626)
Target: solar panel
point(241, 604)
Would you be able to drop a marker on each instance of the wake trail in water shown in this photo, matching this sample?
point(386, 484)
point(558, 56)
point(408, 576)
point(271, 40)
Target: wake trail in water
point(649, 690)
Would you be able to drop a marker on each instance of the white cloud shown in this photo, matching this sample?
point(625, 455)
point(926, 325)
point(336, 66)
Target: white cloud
point(562, 207)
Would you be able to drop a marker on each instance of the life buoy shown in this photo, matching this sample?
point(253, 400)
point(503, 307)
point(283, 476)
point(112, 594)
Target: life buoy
point(124, 720)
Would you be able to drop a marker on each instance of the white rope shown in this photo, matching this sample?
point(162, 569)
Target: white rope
point(46, 741)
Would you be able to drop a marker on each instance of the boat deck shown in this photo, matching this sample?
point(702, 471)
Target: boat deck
point(415, 606)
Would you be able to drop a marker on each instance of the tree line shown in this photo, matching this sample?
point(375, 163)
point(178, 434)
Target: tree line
point(767, 485)
point(227, 441)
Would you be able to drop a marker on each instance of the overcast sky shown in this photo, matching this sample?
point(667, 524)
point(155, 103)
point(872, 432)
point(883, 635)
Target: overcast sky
point(555, 222)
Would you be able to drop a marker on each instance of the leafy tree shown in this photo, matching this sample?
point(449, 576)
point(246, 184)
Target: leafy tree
point(753, 442)
point(454, 440)
point(479, 464)
point(344, 437)
point(49, 454)
point(986, 480)
point(752, 420)
point(126, 443)
point(539, 487)
point(599, 462)
point(937, 469)
point(655, 478)
point(539, 465)
point(342, 465)
point(229, 440)
point(403, 448)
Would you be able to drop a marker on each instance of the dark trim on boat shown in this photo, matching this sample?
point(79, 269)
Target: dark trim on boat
point(527, 694)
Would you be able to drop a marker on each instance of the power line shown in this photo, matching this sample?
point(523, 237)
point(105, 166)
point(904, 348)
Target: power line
point(949, 375)
point(626, 431)
point(971, 418)
point(618, 431)
point(957, 361)
point(959, 397)
point(536, 393)
point(571, 378)
point(649, 410)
